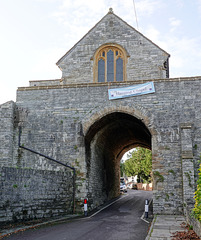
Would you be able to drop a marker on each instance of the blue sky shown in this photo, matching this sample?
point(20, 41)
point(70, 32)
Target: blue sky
point(35, 34)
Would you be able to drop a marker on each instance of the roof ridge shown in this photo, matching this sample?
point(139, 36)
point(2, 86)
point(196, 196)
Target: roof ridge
point(110, 12)
point(83, 37)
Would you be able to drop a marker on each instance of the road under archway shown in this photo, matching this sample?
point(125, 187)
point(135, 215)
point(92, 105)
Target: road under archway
point(106, 141)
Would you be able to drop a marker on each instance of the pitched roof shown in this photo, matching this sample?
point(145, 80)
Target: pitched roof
point(110, 12)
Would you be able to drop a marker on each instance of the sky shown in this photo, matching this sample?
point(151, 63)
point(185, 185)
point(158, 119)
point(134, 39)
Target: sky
point(35, 34)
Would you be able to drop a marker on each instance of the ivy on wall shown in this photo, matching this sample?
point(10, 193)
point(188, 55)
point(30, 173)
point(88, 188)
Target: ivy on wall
point(197, 207)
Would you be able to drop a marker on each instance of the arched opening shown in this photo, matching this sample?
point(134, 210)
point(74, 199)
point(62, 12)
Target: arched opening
point(106, 141)
point(136, 169)
point(110, 62)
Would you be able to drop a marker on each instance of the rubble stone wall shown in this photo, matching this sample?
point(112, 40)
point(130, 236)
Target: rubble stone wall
point(58, 119)
point(30, 194)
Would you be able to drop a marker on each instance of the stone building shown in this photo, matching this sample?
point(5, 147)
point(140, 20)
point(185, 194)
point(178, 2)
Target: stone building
point(73, 121)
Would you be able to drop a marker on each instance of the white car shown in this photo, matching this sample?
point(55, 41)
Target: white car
point(123, 187)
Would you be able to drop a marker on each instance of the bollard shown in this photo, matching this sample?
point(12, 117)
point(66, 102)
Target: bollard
point(85, 207)
point(146, 208)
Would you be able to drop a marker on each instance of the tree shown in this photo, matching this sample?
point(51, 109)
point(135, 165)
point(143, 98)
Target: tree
point(139, 163)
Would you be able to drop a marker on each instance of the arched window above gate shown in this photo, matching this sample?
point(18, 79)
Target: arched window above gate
point(110, 64)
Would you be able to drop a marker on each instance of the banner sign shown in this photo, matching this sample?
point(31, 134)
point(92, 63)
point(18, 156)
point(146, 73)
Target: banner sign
point(131, 91)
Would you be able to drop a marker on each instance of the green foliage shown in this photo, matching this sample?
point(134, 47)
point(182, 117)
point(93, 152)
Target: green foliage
point(159, 177)
point(172, 171)
point(139, 163)
point(190, 227)
point(167, 197)
point(189, 178)
point(197, 207)
point(195, 146)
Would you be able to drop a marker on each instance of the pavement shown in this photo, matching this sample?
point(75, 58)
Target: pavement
point(163, 227)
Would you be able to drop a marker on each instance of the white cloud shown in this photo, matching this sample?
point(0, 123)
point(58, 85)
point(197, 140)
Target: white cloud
point(148, 7)
point(185, 51)
point(45, 66)
point(174, 23)
point(152, 33)
point(69, 20)
point(180, 3)
point(78, 13)
point(199, 5)
point(65, 4)
point(77, 17)
point(155, 36)
point(89, 5)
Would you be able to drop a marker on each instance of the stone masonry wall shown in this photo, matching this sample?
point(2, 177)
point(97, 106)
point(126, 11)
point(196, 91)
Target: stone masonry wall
point(56, 116)
point(145, 59)
point(54, 126)
point(6, 132)
point(31, 194)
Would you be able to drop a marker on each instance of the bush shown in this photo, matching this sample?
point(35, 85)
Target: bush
point(197, 207)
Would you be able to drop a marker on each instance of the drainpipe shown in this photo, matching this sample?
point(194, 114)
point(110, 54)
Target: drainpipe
point(54, 160)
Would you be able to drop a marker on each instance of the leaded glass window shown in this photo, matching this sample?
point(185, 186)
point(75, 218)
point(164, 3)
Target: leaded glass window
point(119, 69)
point(101, 70)
point(110, 65)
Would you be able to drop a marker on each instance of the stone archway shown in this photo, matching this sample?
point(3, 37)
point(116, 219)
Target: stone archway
point(109, 133)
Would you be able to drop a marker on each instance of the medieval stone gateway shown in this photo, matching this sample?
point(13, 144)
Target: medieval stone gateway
point(72, 120)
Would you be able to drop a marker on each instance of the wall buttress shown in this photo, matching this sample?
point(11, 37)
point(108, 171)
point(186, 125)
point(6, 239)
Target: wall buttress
point(187, 163)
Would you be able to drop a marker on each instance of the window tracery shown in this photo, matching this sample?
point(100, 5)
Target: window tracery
point(110, 64)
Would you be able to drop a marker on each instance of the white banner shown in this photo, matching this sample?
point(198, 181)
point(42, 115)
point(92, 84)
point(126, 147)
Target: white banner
point(140, 89)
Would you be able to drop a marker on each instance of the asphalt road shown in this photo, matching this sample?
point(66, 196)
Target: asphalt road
point(121, 220)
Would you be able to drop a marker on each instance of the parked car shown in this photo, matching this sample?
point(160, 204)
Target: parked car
point(123, 187)
point(134, 186)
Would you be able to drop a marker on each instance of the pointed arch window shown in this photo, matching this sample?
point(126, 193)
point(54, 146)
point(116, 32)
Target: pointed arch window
point(110, 65)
